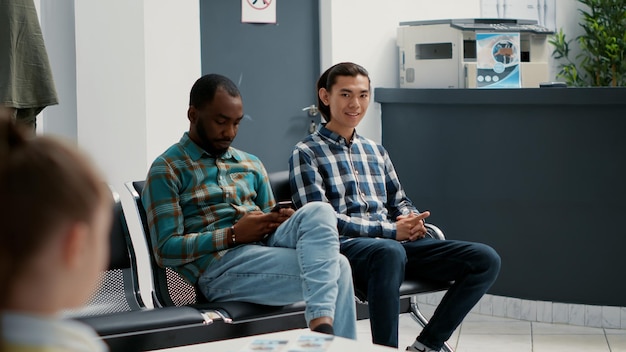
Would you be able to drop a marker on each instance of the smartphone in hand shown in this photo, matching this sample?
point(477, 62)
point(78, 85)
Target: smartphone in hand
point(283, 204)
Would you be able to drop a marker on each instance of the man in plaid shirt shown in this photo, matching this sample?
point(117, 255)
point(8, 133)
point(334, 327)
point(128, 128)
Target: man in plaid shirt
point(208, 210)
point(382, 233)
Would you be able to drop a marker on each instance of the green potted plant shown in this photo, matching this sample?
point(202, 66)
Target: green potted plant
point(602, 60)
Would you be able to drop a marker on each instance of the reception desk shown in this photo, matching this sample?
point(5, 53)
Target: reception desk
point(539, 174)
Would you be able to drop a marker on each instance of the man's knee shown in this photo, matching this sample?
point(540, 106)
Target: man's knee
point(345, 271)
point(489, 257)
point(322, 213)
point(391, 251)
point(321, 208)
point(344, 264)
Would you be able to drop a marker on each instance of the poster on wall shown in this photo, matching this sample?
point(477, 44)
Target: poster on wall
point(498, 60)
point(258, 11)
point(542, 11)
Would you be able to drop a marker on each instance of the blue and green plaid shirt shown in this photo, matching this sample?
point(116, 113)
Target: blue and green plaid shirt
point(356, 177)
point(192, 199)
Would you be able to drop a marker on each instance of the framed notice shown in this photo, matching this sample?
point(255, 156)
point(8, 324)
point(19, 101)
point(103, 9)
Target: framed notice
point(498, 60)
point(258, 11)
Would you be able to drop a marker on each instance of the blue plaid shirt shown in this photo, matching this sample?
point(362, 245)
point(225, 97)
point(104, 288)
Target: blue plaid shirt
point(356, 177)
point(192, 199)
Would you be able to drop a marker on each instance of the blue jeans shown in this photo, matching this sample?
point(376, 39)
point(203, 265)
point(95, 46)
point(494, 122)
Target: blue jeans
point(300, 261)
point(380, 265)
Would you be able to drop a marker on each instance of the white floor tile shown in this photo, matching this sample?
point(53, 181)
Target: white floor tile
point(577, 314)
point(485, 333)
point(593, 316)
point(475, 317)
point(570, 343)
point(529, 310)
point(498, 306)
point(615, 331)
point(496, 328)
point(513, 307)
point(485, 306)
point(611, 317)
point(560, 313)
point(427, 309)
point(494, 343)
point(544, 311)
point(563, 329)
point(408, 329)
point(617, 342)
point(363, 330)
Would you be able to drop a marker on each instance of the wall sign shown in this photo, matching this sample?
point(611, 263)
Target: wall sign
point(498, 60)
point(258, 11)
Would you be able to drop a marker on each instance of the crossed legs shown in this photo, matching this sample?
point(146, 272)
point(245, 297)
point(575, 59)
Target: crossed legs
point(379, 266)
point(301, 261)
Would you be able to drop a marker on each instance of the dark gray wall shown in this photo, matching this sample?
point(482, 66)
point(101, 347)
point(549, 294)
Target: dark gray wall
point(538, 174)
point(275, 66)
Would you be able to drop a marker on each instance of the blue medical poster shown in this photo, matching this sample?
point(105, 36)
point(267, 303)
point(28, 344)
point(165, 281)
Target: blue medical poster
point(498, 60)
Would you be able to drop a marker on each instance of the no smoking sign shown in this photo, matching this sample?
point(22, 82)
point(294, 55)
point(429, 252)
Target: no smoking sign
point(258, 11)
point(259, 4)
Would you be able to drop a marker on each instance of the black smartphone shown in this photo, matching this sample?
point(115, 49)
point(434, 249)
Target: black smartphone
point(283, 204)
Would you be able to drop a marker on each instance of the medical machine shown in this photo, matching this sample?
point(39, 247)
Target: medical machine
point(442, 53)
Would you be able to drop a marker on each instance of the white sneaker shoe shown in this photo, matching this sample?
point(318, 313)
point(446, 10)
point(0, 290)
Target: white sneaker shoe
point(416, 349)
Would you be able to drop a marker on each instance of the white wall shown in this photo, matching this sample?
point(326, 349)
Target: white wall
point(172, 53)
point(110, 86)
point(57, 22)
point(125, 99)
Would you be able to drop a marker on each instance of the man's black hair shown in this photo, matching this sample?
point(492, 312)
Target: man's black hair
point(203, 91)
point(329, 78)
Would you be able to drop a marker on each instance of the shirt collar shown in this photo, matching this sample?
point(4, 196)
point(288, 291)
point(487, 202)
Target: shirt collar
point(335, 137)
point(196, 152)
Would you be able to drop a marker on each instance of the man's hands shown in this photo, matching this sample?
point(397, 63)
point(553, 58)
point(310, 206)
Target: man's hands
point(411, 227)
point(255, 225)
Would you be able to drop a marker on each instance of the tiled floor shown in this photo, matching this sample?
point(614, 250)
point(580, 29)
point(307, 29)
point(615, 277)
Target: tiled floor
point(481, 333)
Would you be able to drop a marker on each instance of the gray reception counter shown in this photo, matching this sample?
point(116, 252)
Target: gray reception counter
point(539, 174)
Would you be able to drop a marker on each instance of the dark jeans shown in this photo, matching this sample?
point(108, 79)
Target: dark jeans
point(379, 267)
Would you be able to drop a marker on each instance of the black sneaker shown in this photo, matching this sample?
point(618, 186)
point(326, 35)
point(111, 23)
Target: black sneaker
point(415, 349)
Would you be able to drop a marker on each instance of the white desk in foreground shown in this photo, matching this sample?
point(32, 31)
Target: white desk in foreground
point(268, 343)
